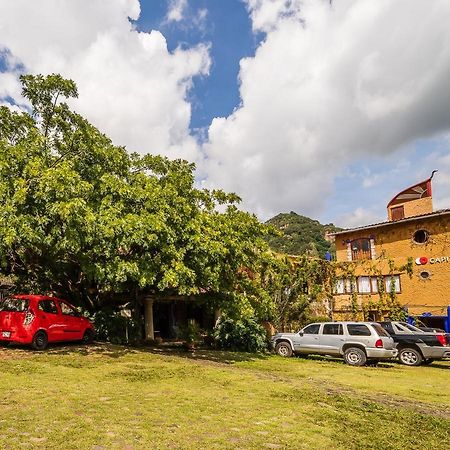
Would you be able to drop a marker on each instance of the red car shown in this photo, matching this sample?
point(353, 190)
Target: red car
point(38, 320)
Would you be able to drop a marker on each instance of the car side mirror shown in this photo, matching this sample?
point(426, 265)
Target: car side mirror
point(301, 333)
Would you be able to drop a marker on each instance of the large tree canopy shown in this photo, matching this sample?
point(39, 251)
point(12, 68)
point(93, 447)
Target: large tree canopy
point(81, 217)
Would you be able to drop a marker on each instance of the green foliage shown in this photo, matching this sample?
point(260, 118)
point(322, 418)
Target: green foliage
point(240, 334)
point(111, 326)
point(296, 285)
point(84, 219)
point(191, 333)
point(300, 235)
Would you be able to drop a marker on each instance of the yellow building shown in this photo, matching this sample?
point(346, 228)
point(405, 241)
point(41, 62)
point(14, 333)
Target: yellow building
point(403, 262)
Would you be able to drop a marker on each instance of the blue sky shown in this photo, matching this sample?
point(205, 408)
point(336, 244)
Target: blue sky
point(227, 27)
point(324, 109)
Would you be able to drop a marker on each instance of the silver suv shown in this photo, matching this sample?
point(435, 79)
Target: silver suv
point(359, 343)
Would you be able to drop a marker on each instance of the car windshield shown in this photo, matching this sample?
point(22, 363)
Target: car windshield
point(14, 304)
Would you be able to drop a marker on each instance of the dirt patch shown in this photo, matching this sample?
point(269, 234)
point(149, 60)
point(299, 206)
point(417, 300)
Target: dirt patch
point(14, 353)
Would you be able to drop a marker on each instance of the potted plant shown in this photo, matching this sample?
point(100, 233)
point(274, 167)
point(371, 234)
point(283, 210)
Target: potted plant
point(191, 335)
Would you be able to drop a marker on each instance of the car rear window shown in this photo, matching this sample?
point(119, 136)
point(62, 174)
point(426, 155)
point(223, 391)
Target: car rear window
point(358, 329)
point(380, 330)
point(14, 304)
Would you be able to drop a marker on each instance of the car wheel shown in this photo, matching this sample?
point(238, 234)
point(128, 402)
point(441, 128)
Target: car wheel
point(40, 340)
point(283, 349)
point(410, 356)
point(354, 356)
point(88, 337)
point(427, 362)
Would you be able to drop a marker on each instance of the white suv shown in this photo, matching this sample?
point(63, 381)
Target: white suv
point(359, 343)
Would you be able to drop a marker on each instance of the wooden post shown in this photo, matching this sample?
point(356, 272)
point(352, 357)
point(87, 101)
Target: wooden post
point(217, 314)
point(149, 328)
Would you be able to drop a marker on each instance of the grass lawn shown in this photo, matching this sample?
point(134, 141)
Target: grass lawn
point(110, 397)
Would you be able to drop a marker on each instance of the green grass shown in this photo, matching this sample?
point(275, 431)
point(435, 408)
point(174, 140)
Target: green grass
point(111, 397)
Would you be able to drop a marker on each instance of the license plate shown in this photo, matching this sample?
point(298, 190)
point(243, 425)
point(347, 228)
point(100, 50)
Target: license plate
point(6, 334)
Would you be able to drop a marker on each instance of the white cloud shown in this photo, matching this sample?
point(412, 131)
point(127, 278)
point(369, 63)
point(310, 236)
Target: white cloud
point(185, 17)
point(266, 15)
point(329, 86)
point(176, 10)
point(130, 85)
point(441, 180)
point(358, 218)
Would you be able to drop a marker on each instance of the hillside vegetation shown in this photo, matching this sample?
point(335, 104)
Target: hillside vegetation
point(300, 235)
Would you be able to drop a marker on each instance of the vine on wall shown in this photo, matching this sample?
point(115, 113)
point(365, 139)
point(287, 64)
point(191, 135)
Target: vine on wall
point(387, 303)
point(304, 287)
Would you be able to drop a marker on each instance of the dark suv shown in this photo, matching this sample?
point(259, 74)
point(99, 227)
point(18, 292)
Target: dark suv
point(38, 320)
point(415, 346)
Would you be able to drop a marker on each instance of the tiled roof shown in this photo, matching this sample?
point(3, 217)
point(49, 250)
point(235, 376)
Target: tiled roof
point(440, 212)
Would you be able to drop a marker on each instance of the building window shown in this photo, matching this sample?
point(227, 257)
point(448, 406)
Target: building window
point(340, 286)
point(424, 275)
point(348, 286)
point(374, 284)
point(393, 282)
point(421, 236)
point(344, 286)
point(398, 213)
point(360, 249)
point(364, 285)
point(369, 285)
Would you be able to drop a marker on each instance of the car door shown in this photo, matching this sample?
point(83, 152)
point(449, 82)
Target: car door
point(331, 338)
point(307, 340)
point(73, 324)
point(50, 320)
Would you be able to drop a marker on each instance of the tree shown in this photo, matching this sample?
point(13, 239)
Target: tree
point(83, 218)
point(297, 283)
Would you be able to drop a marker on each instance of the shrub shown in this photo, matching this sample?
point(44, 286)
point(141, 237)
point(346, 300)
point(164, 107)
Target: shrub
point(242, 334)
point(112, 326)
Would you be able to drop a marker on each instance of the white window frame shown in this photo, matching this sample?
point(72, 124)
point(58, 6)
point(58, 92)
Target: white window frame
point(388, 281)
point(340, 286)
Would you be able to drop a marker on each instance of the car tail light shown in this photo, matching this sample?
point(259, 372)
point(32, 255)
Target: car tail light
point(379, 343)
point(29, 317)
point(441, 339)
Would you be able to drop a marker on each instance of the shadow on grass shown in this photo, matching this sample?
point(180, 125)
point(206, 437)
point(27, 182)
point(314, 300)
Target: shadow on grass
point(387, 364)
point(69, 348)
point(118, 351)
point(436, 365)
point(212, 355)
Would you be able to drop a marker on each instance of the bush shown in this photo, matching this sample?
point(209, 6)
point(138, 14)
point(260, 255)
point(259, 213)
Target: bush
point(112, 326)
point(243, 334)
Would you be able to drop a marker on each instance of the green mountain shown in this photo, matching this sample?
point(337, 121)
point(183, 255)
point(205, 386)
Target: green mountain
point(300, 235)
